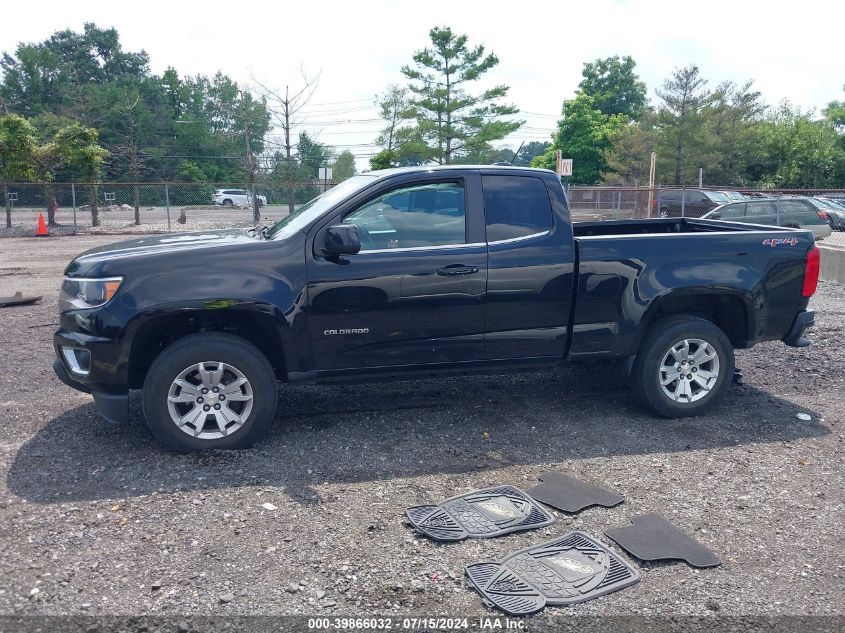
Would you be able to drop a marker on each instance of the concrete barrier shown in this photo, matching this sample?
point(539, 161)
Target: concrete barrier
point(832, 263)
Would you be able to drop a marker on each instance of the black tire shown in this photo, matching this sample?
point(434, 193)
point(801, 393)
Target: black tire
point(215, 347)
point(228, 203)
point(661, 337)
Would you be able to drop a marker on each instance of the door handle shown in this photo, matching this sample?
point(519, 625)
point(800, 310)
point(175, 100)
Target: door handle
point(457, 269)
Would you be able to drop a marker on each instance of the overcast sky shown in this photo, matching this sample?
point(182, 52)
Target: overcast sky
point(793, 50)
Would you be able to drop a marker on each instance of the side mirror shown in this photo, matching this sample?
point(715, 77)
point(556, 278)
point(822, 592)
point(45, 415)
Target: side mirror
point(341, 239)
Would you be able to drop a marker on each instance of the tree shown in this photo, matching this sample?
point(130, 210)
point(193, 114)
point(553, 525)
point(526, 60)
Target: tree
point(451, 121)
point(800, 151)
point(835, 113)
point(190, 172)
point(680, 117)
point(54, 74)
point(146, 121)
point(584, 135)
point(632, 143)
point(285, 108)
point(18, 148)
point(385, 159)
point(731, 140)
point(614, 86)
point(343, 166)
point(310, 156)
point(79, 149)
point(395, 110)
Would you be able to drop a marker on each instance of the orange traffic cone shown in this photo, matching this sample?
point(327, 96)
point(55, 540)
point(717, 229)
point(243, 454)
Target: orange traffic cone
point(42, 227)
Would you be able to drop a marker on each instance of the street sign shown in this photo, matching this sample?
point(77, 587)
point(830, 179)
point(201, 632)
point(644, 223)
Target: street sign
point(563, 166)
point(325, 173)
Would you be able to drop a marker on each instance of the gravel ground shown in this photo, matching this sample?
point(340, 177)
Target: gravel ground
point(100, 520)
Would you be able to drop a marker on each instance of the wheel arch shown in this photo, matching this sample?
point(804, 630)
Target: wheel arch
point(729, 311)
point(156, 333)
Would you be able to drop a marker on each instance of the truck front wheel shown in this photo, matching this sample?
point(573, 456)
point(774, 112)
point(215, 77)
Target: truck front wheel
point(210, 390)
point(684, 367)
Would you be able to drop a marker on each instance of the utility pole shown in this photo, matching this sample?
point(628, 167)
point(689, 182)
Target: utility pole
point(288, 154)
point(651, 174)
point(256, 214)
point(134, 164)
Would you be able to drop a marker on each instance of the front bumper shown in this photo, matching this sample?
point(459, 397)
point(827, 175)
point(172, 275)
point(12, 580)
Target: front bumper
point(114, 407)
point(795, 338)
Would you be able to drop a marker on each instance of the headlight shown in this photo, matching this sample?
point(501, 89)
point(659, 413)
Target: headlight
point(79, 292)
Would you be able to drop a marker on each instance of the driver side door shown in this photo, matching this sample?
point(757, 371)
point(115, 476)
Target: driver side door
point(414, 294)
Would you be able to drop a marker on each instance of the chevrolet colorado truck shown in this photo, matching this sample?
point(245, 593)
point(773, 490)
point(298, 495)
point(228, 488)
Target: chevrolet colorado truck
point(417, 272)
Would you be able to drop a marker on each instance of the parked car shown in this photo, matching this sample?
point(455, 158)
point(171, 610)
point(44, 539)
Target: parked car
point(794, 213)
point(834, 209)
point(236, 198)
point(422, 271)
point(691, 203)
point(734, 195)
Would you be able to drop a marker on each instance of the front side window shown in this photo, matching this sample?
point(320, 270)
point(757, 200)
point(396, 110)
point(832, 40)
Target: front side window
point(515, 206)
point(430, 214)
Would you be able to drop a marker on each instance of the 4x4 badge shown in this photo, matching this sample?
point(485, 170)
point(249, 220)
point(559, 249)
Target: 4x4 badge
point(777, 241)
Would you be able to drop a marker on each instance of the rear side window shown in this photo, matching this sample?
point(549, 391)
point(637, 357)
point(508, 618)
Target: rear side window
point(807, 214)
point(763, 207)
point(732, 211)
point(717, 196)
point(515, 206)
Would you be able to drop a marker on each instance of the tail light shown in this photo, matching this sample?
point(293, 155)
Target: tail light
point(811, 272)
point(822, 215)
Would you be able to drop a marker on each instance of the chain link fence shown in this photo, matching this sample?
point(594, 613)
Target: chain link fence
point(144, 207)
point(190, 206)
point(596, 203)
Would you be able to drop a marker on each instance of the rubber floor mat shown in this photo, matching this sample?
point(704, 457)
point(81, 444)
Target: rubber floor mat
point(18, 300)
point(572, 495)
point(651, 537)
point(571, 569)
point(480, 514)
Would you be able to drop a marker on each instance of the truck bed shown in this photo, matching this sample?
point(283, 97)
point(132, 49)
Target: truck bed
point(630, 269)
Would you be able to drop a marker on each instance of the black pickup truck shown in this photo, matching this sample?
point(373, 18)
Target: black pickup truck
point(422, 272)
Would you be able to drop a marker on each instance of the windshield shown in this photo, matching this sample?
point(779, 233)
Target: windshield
point(313, 209)
point(826, 203)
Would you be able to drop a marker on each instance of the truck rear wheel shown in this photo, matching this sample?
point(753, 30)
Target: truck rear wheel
point(684, 367)
point(208, 391)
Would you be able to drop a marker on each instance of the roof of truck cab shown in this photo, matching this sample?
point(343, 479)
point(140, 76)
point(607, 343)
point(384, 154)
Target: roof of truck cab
point(382, 173)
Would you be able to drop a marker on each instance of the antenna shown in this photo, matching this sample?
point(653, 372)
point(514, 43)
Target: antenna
point(516, 153)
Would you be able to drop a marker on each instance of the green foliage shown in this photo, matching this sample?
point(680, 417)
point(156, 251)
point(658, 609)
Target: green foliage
point(310, 156)
point(189, 171)
point(385, 159)
point(681, 120)
point(149, 123)
point(526, 154)
point(343, 166)
point(583, 134)
point(78, 149)
point(18, 148)
point(800, 151)
point(614, 86)
point(631, 145)
point(451, 122)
